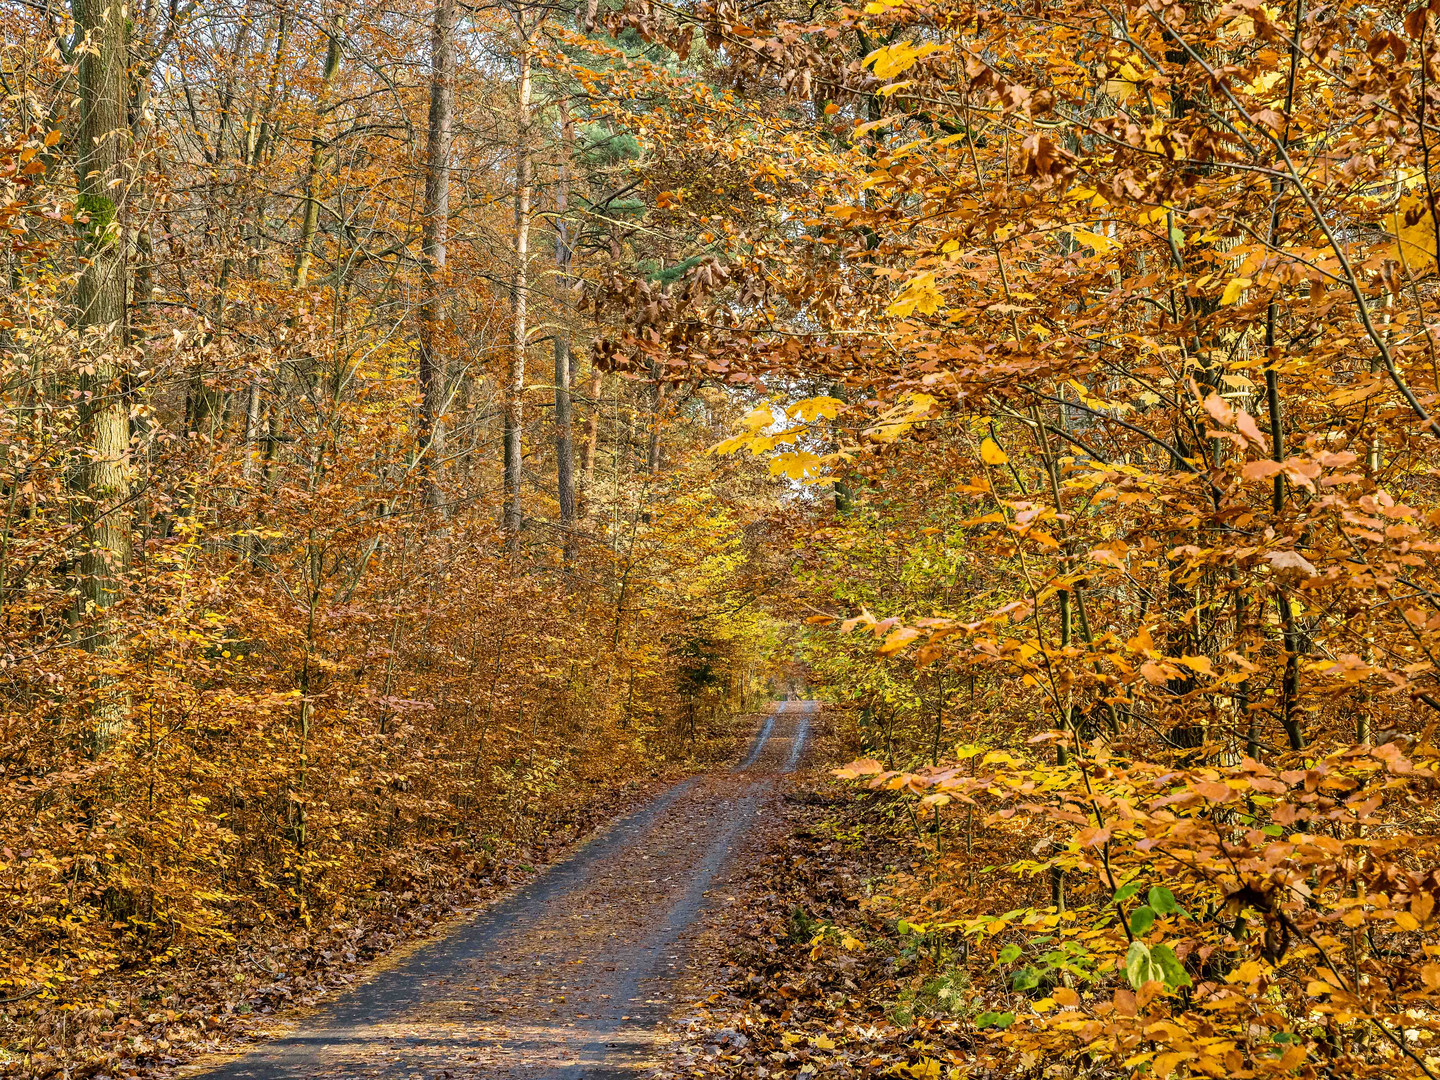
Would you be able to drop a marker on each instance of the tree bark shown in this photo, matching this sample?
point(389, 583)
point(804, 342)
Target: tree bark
point(564, 440)
point(252, 428)
point(434, 370)
point(515, 379)
point(564, 443)
point(310, 225)
point(652, 457)
point(105, 416)
point(592, 437)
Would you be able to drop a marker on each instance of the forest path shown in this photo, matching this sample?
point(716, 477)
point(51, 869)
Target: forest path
point(569, 977)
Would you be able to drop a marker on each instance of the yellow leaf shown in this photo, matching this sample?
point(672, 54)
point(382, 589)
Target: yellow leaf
point(919, 294)
point(808, 409)
point(1414, 232)
point(991, 454)
point(893, 59)
point(1165, 1063)
point(1265, 82)
point(1120, 90)
point(758, 418)
point(1093, 240)
point(796, 464)
point(1248, 972)
point(898, 639)
point(1233, 288)
point(756, 421)
point(1406, 921)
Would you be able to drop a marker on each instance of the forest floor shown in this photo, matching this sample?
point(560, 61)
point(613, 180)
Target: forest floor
point(578, 973)
point(806, 970)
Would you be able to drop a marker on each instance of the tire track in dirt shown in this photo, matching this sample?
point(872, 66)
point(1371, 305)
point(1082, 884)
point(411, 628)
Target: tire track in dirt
point(566, 979)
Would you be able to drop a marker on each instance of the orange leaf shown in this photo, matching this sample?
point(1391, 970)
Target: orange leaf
point(1260, 470)
point(1246, 425)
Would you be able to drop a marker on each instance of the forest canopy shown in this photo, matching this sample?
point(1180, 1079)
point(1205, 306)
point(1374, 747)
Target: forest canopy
point(422, 420)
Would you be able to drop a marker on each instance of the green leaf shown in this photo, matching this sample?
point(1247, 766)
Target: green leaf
point(1141, 919)
point(1172, 971)
point(1139, 968)
point(1026, 978)
point(987, 1019)
point(1273, 830)
point(1164, 903)
point(1004, 1020)
point(1125, 892)
point(1010, 953)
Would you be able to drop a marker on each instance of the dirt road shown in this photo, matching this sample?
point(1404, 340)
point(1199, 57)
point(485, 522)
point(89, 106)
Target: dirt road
point(567, 978)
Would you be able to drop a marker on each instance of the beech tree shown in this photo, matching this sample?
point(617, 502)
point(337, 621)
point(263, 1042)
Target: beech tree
point(103, 183)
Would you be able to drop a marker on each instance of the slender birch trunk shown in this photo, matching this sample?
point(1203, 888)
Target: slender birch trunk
point(515, 380)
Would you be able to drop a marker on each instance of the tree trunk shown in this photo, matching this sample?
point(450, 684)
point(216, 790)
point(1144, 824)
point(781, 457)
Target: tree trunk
point(434, 371)
point(252, 428)
point(310, 225)
point(564, 441)
point(652, 457)
point(515, 380)
point(840, 488)
point(592, 437)
point(564, 448)
point(105, 416)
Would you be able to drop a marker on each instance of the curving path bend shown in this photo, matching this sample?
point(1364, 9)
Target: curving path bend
point(566, 979)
